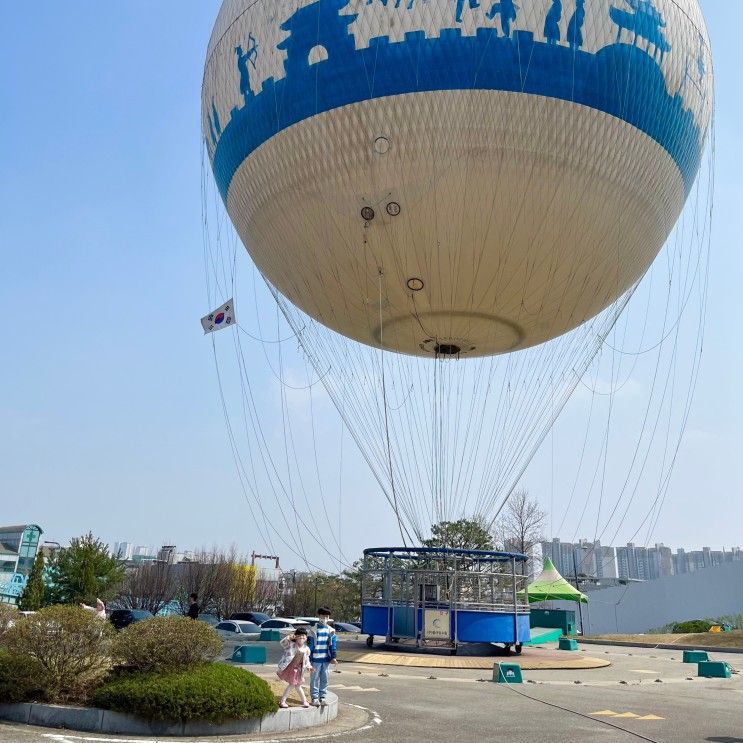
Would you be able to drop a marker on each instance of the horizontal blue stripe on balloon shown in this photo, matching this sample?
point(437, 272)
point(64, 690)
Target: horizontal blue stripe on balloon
point(621, 80)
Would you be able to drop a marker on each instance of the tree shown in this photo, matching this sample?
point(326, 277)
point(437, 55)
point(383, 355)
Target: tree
point(223, 580)
point(238, 588)
point(467, 534)
point(347, 604)
point(266, 595)
point(32, 598)
point(204, 576)
point(521, 526)
point(83, 572)
point(305, 592)
point(302, 593)
point(150, 586)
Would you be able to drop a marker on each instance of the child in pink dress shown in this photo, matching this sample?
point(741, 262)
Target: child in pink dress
point(293, 663)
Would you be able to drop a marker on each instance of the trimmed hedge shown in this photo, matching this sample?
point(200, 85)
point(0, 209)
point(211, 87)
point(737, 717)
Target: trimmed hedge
point(166, 644)
point(210, 693)
point(692, 626)
point(70, 644)
point(21, 679)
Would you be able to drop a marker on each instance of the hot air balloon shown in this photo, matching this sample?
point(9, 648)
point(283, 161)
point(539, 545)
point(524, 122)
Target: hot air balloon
point(435, 187)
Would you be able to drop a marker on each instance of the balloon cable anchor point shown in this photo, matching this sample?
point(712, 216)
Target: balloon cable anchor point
point(381, 145)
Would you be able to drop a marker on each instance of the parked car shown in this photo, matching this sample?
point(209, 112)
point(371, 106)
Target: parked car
point(121, 618)
point(212, 619)
point(346, 627)
point(237, 630)
point(312, 621)
point(258, 617)
point(284, 625)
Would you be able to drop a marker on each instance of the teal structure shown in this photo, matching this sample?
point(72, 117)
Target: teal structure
point(507, 673)
point(567, 643)
point(18, 547)
point(254, 654)
point(557, 618)
point(716, 669)
point(695, 656)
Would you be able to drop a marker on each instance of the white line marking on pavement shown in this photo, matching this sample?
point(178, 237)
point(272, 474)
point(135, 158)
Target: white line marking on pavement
point(352, 688)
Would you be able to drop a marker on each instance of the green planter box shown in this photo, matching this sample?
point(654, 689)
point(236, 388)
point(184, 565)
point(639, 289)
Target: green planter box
point(695, 656)
point(715, 669)
point(249, 654)
point(567, 643)
point(270, 635)
point(507, 673)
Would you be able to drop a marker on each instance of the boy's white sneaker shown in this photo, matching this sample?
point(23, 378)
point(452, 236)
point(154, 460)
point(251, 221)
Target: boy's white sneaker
point(315, 703)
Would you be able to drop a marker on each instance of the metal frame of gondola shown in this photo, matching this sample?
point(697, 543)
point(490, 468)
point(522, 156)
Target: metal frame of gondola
point(441, 596)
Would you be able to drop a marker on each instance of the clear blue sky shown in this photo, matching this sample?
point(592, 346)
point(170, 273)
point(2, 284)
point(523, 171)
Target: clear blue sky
point(110, 415)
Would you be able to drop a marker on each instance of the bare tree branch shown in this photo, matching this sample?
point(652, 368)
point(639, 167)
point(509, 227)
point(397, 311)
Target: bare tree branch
point(521, 527)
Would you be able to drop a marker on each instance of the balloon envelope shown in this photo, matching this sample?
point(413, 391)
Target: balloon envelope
point(440, 179)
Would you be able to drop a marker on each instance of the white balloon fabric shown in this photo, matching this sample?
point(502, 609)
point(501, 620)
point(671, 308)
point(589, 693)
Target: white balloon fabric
point(454, 177)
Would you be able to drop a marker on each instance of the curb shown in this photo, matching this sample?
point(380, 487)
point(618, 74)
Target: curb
point(661, 646)
point(93, 720)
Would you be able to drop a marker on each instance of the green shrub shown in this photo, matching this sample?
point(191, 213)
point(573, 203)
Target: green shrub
point(21, 679)
point(166, 644)
point(8, 617)
point(691, 626)
point(210, 692)
point(71, 646)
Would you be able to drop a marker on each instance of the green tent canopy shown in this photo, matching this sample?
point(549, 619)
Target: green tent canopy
point(549, 585)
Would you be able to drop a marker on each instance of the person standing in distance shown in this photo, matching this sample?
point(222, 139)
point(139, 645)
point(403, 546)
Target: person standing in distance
point(99, 608)
point(193, 606)
point(322, 654)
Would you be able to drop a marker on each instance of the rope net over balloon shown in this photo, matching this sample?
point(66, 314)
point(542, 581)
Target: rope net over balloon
point(447, 268)
point(591, 422)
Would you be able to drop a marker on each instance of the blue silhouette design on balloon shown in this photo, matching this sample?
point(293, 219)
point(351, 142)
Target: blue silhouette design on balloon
point(701, 70)
point(644, 21)
point(575, 25)
point(244, 61)
point(409, 6)
point(701, 67)
point(474, 4)
point(552, 22)
point(507, 10)
point(215, 128)
point(345, 75)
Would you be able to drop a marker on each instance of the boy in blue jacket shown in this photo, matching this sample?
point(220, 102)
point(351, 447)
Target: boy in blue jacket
point(322, 654)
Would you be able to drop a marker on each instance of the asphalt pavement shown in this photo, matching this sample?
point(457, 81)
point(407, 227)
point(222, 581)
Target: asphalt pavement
point(646, 694)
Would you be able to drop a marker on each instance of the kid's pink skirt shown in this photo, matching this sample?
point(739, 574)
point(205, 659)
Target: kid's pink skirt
point(291, 674)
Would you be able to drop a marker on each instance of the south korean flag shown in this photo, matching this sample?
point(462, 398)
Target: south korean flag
point(222, 317)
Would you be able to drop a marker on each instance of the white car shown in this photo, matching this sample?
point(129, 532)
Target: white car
point(237, 630)
point(285, 626)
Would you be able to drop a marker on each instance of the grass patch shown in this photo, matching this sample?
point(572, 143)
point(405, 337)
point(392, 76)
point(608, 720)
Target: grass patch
point(278, 686)
point(709, 639)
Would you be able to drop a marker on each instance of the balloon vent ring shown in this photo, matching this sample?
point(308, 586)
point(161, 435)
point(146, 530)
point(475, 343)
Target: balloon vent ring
point(447, 349)
point(415, 284)
point(393, 208)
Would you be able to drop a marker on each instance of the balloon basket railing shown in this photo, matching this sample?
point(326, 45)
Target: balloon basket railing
point(429, 598)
